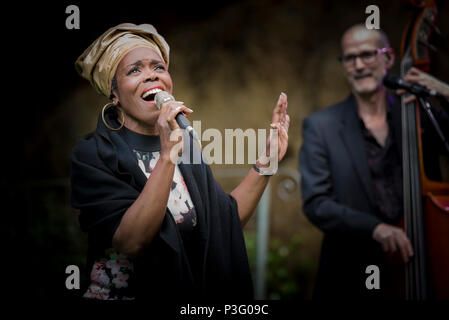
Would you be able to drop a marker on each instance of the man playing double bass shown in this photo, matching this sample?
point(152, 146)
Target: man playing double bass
point(351, 175)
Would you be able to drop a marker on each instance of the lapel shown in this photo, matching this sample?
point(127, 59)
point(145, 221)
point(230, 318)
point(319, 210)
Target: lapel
point(396, 117)
point(352, 137)
point(195, 191)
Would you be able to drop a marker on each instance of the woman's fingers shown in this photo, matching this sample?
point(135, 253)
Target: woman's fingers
point(280, 109)
point(286, 122)
point(281, 141)
point(280, 121)
point(170, 110)
point(282, 129)
point(170, 133)
point(283, 133)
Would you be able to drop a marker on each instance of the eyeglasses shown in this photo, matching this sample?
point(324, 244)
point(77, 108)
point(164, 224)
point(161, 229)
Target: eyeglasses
point(367, 57)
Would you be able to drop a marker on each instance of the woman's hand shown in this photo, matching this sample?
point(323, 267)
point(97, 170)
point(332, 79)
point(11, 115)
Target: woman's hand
point(280, 121)
point(169, 132)
point(415, 75)
point(248, 192)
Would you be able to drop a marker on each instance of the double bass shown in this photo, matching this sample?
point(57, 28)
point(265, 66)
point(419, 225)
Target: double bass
point(426, 202)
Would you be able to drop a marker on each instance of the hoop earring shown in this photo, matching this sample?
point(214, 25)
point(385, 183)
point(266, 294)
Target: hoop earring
point(106, 106)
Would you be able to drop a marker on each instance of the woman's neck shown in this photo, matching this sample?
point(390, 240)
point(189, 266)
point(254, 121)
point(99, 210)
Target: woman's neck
point(145, 130)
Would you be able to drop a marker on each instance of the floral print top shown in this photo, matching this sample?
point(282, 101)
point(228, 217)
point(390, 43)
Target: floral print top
point(179, 202)
point(109, 279)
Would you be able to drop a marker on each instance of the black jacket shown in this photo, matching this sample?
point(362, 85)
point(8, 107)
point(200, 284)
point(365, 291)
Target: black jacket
point(106, 180)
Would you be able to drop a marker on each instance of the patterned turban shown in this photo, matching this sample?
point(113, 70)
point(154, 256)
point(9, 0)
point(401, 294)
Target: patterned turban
point(99, 62)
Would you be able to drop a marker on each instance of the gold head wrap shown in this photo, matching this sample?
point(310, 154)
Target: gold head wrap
point(99, 62)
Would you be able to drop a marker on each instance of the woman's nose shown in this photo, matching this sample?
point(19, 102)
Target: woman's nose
point(151, 76)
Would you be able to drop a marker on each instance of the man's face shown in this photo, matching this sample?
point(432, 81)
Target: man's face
point(364, 66)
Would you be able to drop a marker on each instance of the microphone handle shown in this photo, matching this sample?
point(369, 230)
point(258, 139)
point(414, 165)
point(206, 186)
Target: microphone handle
point(419, 90)
point(182, 121)
point(185, 124)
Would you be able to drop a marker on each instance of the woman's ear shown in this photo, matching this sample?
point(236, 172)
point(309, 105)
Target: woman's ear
point(114, 91)
point(113, 98)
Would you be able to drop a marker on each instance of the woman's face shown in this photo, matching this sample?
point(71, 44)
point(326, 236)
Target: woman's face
point(140, 74)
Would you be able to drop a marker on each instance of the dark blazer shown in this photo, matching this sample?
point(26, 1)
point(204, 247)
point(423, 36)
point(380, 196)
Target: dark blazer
point(337, 196)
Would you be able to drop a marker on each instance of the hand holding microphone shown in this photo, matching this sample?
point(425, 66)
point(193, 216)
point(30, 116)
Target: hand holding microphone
point(417, 83)
point(170, 133)
point(163, 97)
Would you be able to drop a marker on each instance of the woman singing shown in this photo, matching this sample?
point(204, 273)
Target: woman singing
point(156, 228)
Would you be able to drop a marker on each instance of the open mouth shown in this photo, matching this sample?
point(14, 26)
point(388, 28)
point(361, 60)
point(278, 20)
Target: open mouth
point(149, 95)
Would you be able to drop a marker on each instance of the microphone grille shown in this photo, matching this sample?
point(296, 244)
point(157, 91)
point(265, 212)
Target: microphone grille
point(162, 97)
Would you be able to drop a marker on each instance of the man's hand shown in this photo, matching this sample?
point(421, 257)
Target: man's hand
point(392, 239)
point(417, 76)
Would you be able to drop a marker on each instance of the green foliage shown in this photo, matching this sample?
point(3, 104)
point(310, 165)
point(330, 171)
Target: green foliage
point(283, 275)
point(53, 241)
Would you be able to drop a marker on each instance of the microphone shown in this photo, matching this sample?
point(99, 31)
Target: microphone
point(394, 82)
point(162, 97)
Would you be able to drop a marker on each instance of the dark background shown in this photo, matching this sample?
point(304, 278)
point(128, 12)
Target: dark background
point(229, 62)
